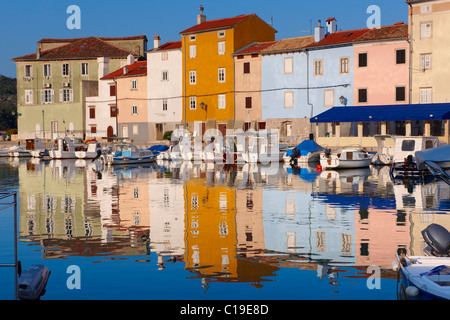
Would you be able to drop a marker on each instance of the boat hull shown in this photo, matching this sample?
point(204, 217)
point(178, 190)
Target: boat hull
point(344, 164)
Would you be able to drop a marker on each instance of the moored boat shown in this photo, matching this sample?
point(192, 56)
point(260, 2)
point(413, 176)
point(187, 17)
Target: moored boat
point(345, 158)
point(307, 151)
point(94, 150)
point(125, 153)
point(439, 155)
point(64, 149)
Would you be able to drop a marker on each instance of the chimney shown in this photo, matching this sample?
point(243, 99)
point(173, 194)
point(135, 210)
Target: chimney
point(103, 67)
point(130, 59)
point(125, 70)
point(156, 42)
point(38, 52)
point(319, 32)
point(201, 17)
point(331, 25)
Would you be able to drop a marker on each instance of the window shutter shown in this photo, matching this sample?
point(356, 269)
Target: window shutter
point(53, 96)
point(61, 95)
point(248, 102)
point(247, 67)
point(71, 95)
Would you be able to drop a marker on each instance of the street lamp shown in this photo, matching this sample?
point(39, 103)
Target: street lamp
point(203, 106)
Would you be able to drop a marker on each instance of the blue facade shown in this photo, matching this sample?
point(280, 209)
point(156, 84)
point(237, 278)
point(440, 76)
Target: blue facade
point(275, 82)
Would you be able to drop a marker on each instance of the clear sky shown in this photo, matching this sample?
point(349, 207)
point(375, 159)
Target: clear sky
point(24, 23)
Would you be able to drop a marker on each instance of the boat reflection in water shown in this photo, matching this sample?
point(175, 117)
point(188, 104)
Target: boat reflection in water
point(226, 224)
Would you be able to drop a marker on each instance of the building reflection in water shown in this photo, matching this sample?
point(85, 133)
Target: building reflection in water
point(226, 224)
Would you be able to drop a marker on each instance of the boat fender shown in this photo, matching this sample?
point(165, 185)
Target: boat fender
point(395, 266)
point(319, 168)
point(412, 291)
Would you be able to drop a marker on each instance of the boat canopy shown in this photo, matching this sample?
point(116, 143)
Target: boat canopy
point(306, 147)
point(432, 111)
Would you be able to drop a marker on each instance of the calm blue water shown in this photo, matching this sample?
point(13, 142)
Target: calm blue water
point(211, 233)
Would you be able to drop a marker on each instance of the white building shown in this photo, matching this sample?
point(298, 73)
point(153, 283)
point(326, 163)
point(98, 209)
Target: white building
point(165, 88)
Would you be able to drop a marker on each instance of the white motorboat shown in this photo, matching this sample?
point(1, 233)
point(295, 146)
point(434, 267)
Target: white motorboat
point(64, 149)
point(427, 277)
point(345, 158)
point(305, 152)
point(385, 150)
point(35, 148)
point(5, 152)
point(31, 145)
point(125, 153)
point(94, 150)
point(32, 282)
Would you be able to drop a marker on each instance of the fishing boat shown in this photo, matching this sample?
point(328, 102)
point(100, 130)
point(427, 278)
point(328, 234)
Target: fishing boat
point(32, 282)
point(305, 152)
point(94, 150)
point(38, 150)
point(64, 149)
point(126, 153)
point(426, 277)
point(345, 158)
point(31, 145)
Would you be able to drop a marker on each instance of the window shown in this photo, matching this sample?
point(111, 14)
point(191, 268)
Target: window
point(135, 129)
point(362, 95)
point(222, 101)
point(93, 128)
point(246, 67)
point(164, 106)
point(425, 95)
point(248, 102)
point(113, 112)
point(134, 110)
point(221, 75)
point(165, 76)
point(400, 56)
point(164, 55)
point(344, 62)
point(426, 30)
point(400, 94)
point(408, 145)
point(112, 91)
point(28, 71)
point(85, 69)
point(362, 60)
point(426, 9)
point(28, 96)
point(47, 70)
point(192, 51)
point(318, 67)
point(193, 103)
point(289, 99)
point(288, 65)
point(91, 112)
point(66, 95)
point(47, 96)
point(65, 70)
point(221, 34)
point(193, 77)
point(192, 38)
point(134, 84)
point(221, 48)
point(425, 62)
point(328, 98)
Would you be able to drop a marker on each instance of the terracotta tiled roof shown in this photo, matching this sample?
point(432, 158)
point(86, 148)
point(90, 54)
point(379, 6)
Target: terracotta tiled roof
point(289, 44)
point(255, 47)
point(53, 40)
point(216, 24)
point(136, 69)
point(82, 48)
point(339, 37)
point(396, 31)
point(168, 46)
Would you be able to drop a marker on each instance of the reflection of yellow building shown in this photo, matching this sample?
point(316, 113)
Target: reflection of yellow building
point(208, 67)
point(211, 229)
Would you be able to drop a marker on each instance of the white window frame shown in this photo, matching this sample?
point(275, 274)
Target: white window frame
point(221, 48)
point(165, 75)
point(164, 55)
point(221, 73)
point(164, 104)
point(193, 77)
point(85, 68)
point(47, 70)
point(193, 51)
point(192, 38)
point(134, 84)
point(47, 96)
point(425, 61)
point(288, 99)
point(29, 99)
point(65, 70)
point(344, 65)
point(426, 30)
point(134, 110)
point(193, 103)
point(28, 71)
point(221, 34)
point(426, 95)
point(221, 103)
point(289, 65)
point(66, 95)
point(318, 67)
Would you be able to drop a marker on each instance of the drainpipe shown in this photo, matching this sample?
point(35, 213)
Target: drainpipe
point(117, 110)
point(311, 135)
point(410, 26)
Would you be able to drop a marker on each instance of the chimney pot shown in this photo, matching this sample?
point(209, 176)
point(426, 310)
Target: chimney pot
point(156, 42)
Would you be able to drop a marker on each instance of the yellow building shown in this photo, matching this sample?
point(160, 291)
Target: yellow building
point(208, 66)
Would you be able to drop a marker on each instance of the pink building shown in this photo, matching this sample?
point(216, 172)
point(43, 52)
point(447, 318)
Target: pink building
point(381, 70)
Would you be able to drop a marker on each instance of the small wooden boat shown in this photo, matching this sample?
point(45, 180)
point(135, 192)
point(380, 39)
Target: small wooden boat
point(94, 150)
point(345, 158)
point(32, 282)
point(5, 152)
point(125, 153)
point(65, 148)
point(427, 277)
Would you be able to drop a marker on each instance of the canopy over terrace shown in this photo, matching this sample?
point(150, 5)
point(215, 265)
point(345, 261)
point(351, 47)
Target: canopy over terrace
point(341, 126)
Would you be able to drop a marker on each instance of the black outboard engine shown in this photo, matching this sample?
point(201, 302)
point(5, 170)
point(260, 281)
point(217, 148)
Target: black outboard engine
point(295, 155)
point(438, 240)
point(327, 153)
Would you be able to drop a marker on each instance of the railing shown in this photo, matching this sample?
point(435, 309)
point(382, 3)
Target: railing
point(16, 265)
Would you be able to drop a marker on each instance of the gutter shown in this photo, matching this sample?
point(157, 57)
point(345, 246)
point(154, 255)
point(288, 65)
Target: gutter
point(410, 25)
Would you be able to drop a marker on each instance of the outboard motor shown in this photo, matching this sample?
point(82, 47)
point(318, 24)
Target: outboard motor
point(327, 153)
point(438, 240)
point(295, 155)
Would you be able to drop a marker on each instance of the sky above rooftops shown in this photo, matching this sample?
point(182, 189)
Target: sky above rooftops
point(24, 22)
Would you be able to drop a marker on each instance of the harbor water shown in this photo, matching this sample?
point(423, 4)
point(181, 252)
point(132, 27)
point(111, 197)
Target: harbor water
point(186, 231)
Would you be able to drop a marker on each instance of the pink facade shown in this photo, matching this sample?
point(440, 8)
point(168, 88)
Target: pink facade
point(384, 79)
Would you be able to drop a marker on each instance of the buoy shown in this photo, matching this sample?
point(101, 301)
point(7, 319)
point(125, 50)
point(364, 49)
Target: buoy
point(412, 291)
point(319, 168)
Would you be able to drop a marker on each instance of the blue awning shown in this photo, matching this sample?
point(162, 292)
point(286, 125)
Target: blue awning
point(435, 111)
